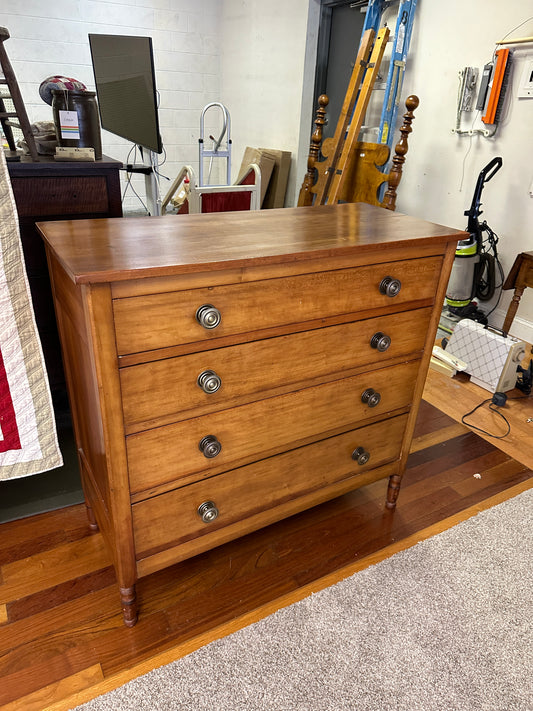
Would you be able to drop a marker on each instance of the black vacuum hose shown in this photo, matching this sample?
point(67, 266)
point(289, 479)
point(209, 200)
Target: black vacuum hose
point(485, 277)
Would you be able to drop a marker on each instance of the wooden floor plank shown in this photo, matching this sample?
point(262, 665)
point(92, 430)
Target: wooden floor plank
point(73, 623)
point(42, 570)
point(457, 396)
point(73, 684)
point(438, 437)
point(34, 534)
point(73, 589)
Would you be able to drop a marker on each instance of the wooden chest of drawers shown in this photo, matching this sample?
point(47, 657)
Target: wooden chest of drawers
point(229, 370)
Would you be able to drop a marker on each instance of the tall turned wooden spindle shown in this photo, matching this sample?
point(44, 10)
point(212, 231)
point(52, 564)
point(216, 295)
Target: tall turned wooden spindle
point(400, 150)
point(306, 196)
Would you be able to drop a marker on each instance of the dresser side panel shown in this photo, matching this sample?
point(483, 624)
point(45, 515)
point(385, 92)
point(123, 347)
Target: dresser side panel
point(105, 380)
point(78, 360)
point(87, 337)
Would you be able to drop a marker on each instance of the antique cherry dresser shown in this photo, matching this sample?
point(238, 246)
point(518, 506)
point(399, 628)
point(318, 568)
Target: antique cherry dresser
point(228, 370)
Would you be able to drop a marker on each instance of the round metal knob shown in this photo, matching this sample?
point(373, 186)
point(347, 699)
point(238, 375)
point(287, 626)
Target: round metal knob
point(380, 341)
point(360, 456)
point(207, 511)
point(209, 446)
point(390, 286)
point(209, 381)
point(208, 316)
point(370, 397)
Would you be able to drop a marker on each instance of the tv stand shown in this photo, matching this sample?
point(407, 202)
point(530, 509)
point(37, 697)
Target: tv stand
point(151, 184)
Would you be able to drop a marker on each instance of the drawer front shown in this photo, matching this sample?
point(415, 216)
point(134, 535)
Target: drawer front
point(145, 323)
point(161, 391)
point(173, 518)
point(72, 195)
point(253, 431)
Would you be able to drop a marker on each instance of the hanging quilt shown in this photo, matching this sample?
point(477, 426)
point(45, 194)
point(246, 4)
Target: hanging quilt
point(28, 437)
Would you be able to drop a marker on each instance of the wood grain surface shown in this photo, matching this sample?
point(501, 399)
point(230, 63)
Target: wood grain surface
point(457, 396)
point(118, 249)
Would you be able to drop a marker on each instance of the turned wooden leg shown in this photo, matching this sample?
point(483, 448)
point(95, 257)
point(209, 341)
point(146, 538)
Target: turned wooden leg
point(513, 308)
point(128, 600)
point(90, 515)
point(393, 490)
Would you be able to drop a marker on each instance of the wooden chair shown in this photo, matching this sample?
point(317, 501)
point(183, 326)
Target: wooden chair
point(364, 177)
point(519, 278)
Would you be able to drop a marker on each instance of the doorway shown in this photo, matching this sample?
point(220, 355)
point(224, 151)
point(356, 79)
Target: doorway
point(339, 36)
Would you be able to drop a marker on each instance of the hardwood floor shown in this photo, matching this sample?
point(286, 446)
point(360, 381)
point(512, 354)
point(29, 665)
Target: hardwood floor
point(62, 640)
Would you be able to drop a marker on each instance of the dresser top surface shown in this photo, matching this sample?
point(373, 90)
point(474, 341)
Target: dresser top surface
point(116, 249)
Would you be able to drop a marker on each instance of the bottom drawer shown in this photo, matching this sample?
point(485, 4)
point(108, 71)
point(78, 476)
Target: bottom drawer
point(172, 518)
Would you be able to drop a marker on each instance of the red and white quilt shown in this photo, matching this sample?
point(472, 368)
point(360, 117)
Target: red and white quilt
point(28, 438)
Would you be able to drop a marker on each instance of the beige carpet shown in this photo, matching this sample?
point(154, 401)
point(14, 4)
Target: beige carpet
point(443, 626)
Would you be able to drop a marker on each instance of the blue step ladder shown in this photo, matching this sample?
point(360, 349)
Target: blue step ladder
point(400, 49)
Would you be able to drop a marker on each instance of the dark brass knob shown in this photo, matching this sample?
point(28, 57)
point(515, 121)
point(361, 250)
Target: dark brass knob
point(209, 446)
point(208, 316)
point(207, 511)
point(390, 286)
point(209, 381)
point(370, 397)
point(360, 456)
point(380, 341)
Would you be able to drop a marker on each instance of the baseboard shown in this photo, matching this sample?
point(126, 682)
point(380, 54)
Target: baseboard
point(520, 328)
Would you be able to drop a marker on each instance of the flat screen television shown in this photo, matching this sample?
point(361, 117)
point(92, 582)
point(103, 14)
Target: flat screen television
point(125, 86)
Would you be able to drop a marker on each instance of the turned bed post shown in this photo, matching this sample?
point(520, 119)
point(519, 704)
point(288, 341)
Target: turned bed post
point(306, 197)
point(400, 151)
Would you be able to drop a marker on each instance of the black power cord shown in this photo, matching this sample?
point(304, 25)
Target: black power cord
point(497, 400)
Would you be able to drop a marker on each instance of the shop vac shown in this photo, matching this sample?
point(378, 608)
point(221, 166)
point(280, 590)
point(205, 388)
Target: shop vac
point(473, 276)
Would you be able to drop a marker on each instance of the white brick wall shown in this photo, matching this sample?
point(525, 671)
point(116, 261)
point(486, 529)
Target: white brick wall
point(51, 38)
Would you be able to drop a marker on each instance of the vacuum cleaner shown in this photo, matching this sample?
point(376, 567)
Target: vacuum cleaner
point(473, 273)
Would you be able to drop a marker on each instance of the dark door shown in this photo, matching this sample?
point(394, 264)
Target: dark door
point(341, 25)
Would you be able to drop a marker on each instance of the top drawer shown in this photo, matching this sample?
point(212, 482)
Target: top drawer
point(155, 321)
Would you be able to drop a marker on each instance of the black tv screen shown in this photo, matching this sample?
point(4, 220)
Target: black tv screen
point(125, 86)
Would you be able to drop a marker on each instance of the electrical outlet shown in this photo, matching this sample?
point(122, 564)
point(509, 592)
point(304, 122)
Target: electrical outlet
point(525, 90)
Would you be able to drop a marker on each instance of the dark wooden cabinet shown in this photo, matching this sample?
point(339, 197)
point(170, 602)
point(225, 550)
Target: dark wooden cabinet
point(50, 190)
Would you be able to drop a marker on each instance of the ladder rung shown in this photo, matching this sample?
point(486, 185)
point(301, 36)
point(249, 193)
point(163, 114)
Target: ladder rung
point(7, 78)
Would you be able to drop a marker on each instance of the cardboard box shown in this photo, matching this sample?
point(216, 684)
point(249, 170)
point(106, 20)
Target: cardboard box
point(266, 162)
point(277, 186)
